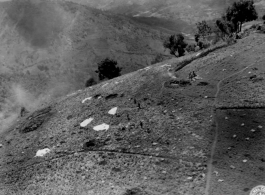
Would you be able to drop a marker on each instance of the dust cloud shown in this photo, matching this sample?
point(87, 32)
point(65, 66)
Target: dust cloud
point(10, 108)
point(38, 21)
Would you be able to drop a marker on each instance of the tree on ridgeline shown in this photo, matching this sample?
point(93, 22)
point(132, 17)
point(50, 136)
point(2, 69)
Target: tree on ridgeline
point(203, 32)
point(176, 44)
point(240, 12)
point(108, 69)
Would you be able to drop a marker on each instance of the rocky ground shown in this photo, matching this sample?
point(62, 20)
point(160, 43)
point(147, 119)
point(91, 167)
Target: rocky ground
point(148, 132)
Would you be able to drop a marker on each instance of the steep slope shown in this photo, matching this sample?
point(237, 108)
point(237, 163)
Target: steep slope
point(48, 48)
point(142, 133)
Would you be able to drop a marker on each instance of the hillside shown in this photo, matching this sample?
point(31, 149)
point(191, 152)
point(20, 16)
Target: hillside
point(49, 48)
point(143, 133)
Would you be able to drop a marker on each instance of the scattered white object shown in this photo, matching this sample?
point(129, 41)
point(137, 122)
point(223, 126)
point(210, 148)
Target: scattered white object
point(113, 111)
point(198, 54)
point(198, 78)
point(116, 82)
point(205, 97)
point(189, 178)
point(86, 122)
point(234, 136)
point(164, 172)
point(101, 127)
point(216, 173)
point(226, 118)
point(247, 138)
point(252, 130)
point(105, 85)
point(249, 72)
point(232, 167)
point(1, 145)
point(84, 100)
point(220, 180)
point(165, 65)
point(43, 152)
point(224, 69)
point(71, 94)
point(229, 148)
point(260, 127)
point(242, 124)
point(245, 161)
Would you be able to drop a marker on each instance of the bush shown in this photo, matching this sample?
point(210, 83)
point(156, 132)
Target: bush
point(108, 69)
point(191, 48)
point(176, 43)
point(90, 82)
point(203, 44)
point(226, 28)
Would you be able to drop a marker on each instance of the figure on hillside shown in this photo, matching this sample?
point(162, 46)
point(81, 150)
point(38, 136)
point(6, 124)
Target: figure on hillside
point(23, 111)
point(192, 75)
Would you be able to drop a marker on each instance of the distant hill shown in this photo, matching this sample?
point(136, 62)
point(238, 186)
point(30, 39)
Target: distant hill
point(186, 12)
point(177, 15)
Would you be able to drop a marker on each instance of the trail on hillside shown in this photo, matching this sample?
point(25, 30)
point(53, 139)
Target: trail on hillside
point(210, 163)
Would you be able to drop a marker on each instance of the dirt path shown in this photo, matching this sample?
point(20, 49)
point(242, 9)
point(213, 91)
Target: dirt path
point(210, 163)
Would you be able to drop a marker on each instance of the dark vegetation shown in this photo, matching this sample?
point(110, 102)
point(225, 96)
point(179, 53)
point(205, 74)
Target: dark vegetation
point(191, 47)
point(108, 69)
point(176, 44)
point(90, 82)
point(238, 13)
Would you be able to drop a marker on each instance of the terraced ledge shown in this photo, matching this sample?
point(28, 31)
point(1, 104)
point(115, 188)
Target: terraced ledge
point(199, 55)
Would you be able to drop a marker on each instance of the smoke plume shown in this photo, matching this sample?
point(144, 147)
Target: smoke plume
point(38, 21)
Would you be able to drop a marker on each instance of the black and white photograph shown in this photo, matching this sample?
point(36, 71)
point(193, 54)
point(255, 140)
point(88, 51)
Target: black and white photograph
point(132, 97)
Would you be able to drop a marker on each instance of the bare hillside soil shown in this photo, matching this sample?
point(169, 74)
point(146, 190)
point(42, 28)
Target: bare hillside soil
point(166, 137)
